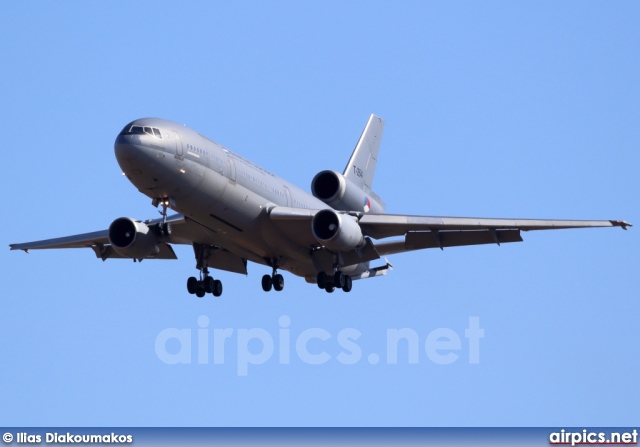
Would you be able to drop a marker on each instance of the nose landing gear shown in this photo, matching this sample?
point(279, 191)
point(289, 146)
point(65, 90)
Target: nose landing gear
point(163, 228)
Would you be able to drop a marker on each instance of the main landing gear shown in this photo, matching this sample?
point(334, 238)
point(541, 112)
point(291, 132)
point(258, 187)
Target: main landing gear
point(276, 280)
point(338, 281)
point(206, 284)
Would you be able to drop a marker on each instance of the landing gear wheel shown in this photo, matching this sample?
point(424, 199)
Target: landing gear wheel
point(267, 283)
point(348, 284)
point(166, 229)
point(278, 282)
point(338, 279)
point(200, 291)
point(329, 288)
point(322, 280)
point(208, 284)
point(192, 285)
point(216, 287)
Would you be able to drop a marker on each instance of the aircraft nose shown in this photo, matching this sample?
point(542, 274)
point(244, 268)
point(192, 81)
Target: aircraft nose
point(124, 149)
point(147, 167)
point(130, 152)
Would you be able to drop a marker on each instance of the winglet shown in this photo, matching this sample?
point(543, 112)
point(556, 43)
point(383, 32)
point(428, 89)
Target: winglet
point(620, 223)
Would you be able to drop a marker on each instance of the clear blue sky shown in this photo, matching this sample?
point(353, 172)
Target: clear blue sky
point(493, 109)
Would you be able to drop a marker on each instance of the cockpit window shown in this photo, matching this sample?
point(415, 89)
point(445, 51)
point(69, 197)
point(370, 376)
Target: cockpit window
point(141, 130)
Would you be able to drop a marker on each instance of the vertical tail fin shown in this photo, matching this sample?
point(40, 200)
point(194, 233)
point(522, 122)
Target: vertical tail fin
point(362, 164)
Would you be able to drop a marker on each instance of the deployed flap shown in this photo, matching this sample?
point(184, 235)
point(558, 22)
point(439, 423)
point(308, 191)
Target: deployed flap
point(379, 226)
point(359, 255)
point(225, 260)
point(372, 273)
point(107, 252)
point(441, 239)
point(323, 259)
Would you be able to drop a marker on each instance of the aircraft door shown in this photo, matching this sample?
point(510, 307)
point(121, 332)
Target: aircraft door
point(179, 150)
point(231, 169)
point(288, 194)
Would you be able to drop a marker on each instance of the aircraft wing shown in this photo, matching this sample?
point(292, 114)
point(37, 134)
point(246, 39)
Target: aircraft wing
point(75, 241)
point(99, 242)
point(410, 233)
point(422, 232)
point(184, 231)
point(380, 226)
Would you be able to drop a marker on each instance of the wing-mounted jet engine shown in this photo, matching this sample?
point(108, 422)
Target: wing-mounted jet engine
point(336, 231)
point(133, 239)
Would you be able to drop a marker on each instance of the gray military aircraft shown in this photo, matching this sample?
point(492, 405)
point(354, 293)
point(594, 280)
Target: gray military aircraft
point(232, 211)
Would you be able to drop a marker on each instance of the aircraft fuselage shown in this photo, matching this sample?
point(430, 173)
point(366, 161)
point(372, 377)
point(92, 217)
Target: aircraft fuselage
point(218, 189)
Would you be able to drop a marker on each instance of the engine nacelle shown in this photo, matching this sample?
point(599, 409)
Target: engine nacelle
point(338, 232)
point(341, 194)
point(133, 239)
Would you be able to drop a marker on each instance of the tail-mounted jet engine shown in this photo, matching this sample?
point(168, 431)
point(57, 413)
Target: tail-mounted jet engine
point(133, 239)
point(335, 231)
point(341, 194)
